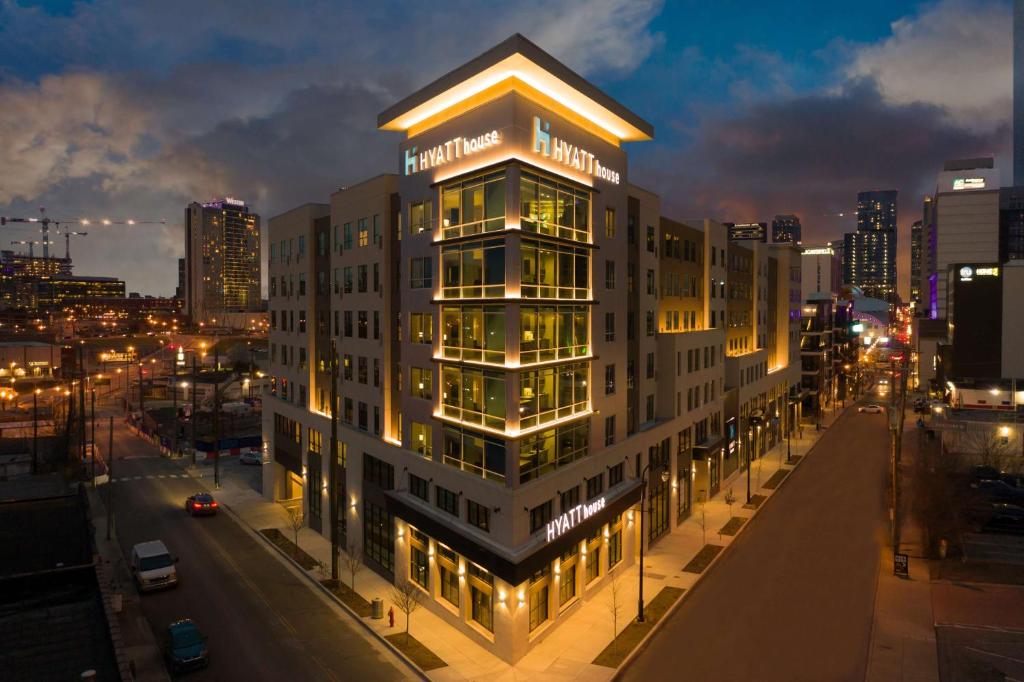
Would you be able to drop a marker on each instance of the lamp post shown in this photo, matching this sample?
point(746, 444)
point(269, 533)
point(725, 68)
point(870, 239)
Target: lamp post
point(643, 496)
point(35, 431)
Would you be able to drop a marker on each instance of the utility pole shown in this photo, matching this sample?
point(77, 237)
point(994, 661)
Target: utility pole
point(174, 402)
point(749, 451)
point(332, 471)
point(92, 423)
point(195, 414)
point(81, 399)
point(35, 431)
point(142, 399)
point(216, 416)
point(110, 479)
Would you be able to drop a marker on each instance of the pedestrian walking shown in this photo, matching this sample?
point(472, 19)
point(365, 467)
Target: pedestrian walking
point(391, 617)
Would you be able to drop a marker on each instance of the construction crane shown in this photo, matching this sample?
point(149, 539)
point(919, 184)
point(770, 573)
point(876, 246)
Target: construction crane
point(45, 221)
point(30, 245)
point(67, 241)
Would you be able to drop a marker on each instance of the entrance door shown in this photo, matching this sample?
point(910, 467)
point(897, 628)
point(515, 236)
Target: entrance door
point(714, 474)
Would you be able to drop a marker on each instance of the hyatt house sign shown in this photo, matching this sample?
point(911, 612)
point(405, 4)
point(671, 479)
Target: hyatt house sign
point(560, 525)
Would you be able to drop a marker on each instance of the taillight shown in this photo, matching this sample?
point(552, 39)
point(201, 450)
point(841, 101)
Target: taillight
point(213, 504)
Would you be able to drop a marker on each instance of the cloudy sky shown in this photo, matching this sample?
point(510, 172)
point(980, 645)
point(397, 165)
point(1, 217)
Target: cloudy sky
point(133, 109)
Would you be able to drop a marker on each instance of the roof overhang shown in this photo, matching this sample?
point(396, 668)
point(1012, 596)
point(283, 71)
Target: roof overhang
point(516, 65)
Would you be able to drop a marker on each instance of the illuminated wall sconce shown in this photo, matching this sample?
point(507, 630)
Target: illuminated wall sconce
point(522, 599)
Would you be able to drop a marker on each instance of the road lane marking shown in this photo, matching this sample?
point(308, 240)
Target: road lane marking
point(138, 478)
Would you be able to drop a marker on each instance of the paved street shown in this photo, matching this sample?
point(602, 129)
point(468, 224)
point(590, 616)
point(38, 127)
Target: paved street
point(262, 620)
point(804, 575)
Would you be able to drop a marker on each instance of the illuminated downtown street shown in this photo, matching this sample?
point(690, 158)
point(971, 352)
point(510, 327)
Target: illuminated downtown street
point(793, 598)
point(263, 620)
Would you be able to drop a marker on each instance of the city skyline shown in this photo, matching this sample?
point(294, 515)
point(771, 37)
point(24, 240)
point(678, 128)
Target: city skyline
point(729, 118)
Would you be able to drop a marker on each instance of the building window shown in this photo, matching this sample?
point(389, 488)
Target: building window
point(346, 274)
point(552, 393)
point(481, 594)
point(347, 326)
point(421, 437)
point(473, 333)
point(378, 472)
point(553, 208)
point(478, 454)
point(419, 487)
point(478, 515)
point(446, 500)
point(473, 395)
point(539, 516)
point(473, 205)
point(609, 379)
point(615, 541)
point(616, 474)
point(650, 365)
point(419, 562)
point(545, 451)
point(421, 328)
point(348, 236)
point(609, 274)
point(554, 271)
point(649, 411)
point(650, 238)
point(421, 217)
point(609, 326)
point(362, 324)
point(609, 430)
point(568, 499)
point(364, 234)
point(361, 279)
point(421, 382)
point(609, 223)
point(553, 333)
point(378, 536)
point(302, 284)
point(567, 575)
point(314, 491)
point(595, 486)
point(420, 273)
point(540, 584)
point(593, 557)
point(473, 269)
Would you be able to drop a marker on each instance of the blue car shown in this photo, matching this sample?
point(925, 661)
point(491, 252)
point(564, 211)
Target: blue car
point(186, 647)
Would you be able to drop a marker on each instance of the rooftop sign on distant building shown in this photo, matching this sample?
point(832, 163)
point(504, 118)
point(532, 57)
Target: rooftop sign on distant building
point(968, 183)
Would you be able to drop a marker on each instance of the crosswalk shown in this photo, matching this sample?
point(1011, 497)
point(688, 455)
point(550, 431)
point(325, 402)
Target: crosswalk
point(123, 479)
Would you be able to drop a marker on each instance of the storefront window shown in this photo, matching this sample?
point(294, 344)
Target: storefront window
point(476, 453)
point(555, 271)
point(378, 536)
point(567, 575)
point(448, 573)
point(543, 452)
point(615, 541)
point(481, 591)
point(419, 565)
point(553, 208)
point(540, 584)
point(553, 333)
point(473, 205)
point(593, 557)
point(473, 333)
point(473, 395)
point(473, 269)
point(552, 393)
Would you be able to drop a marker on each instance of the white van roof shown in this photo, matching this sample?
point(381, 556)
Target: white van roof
point(151, 548)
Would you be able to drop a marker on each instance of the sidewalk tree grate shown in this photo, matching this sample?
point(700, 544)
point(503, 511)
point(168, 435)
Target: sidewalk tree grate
point(776, 479)
point(755, 501)
point(627, 640)
point(352, 599)
point(703, 559)
point(417, 653)
point(733, 526)
point(289, 548)
point(795, 459)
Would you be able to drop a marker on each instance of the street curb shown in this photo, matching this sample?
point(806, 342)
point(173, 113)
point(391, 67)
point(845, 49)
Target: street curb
point(642, 644)
point(415, 669)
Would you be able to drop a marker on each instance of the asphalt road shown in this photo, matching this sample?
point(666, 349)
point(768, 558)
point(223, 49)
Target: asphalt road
point(792, 599)
point(262, 621)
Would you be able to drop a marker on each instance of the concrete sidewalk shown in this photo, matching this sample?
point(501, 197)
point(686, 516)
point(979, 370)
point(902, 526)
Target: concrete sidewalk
point(567, 653)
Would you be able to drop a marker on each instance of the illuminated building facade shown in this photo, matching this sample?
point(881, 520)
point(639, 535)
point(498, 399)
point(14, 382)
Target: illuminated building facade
point(870, 253)
point(786, 229)
point(513, 363)
point(223, 260)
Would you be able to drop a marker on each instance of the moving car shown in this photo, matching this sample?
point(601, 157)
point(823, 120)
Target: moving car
point(252, 456)
point(201, 503)
point(871, 409)
point(153, 566)
point(185, 647)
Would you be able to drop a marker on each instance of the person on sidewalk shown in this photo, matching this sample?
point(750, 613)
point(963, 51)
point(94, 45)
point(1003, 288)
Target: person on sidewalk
point(391, 617)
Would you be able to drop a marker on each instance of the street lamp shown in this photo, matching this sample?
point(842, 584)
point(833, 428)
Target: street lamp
point(643, 490)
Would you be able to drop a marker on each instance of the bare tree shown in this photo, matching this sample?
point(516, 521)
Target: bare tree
point(407, 597)
point(730, 500)
point(614, 608)
point(296, 519)
point(353, 562)
point(702, 520)
point(987, 448)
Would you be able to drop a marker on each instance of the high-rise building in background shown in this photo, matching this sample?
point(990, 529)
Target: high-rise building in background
point(524, 344)
point(869, 254)
point(223, 264)
point(1018, 92)
point(916, 236)
point(821, 273)
point(179, 291)
point(786, 229)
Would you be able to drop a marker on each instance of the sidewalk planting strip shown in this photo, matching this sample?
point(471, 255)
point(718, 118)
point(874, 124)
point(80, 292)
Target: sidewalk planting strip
point(420, 655)
point(755, 501)
point(776, 479)
point(352, 599)
point(634, 633)
point(296, 553)
point(733, 526)
point(703, 559)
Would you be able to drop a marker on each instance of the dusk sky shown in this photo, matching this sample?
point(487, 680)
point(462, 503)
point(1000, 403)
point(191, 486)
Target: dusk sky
point(133, 109)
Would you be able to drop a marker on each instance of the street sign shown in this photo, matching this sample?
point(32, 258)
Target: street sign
point(901, 565)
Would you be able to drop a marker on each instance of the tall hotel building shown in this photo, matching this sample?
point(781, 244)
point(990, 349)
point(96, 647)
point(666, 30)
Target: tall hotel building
point(869, 254)
point(222, 261)
point(523, 343)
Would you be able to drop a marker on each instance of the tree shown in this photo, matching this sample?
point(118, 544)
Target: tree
point(354, 562)
point(296, 519)
point(614, 608)
point(730, 500)
point(702, 520)
point(407, 597)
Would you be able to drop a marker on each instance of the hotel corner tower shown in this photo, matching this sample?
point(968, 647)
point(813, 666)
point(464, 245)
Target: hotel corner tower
point(495, 310)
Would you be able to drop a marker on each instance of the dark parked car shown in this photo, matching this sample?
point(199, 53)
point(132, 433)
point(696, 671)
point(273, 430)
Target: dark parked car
point(1005, 518)
point(201, 503)
point(185, 647)
point(999, 491)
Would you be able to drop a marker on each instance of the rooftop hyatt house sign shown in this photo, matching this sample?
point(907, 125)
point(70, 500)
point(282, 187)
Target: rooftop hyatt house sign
point(571, 155)
point(446, 152)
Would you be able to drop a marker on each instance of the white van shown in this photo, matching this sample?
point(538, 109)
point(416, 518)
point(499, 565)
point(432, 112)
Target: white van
point(153, 566)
